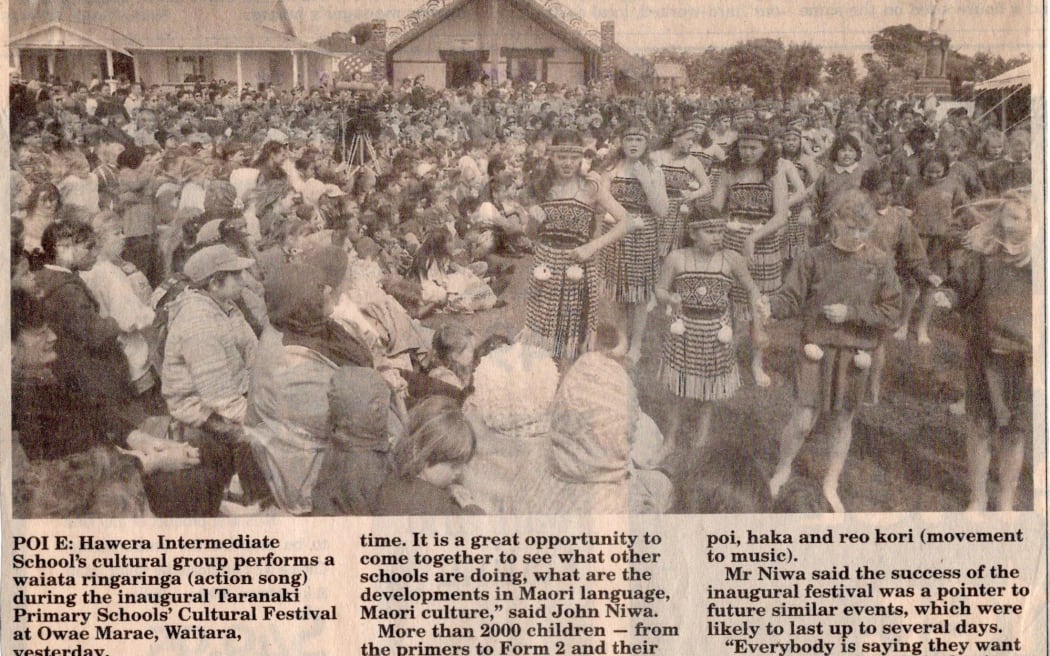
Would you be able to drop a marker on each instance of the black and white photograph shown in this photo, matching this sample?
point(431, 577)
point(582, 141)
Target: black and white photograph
point(489, 258)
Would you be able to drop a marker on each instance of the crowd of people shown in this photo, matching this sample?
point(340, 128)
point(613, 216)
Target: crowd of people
point(237, 301)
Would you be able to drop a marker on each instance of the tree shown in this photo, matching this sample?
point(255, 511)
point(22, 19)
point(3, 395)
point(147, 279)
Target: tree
point(355, 37)
point(900, 46)
point(802, 66)
point(362, 32)
point(758, 64)
point(841, 70)
point(841, 74)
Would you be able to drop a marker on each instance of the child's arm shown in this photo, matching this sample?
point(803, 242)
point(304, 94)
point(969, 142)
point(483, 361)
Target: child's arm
point(599, 192)
point(780, 214)
point(912, 255)
point(788, 300)
point(798, 190)
point(883, 312)
point(742, 276)
point(652, 181)
point(697, 169)
point(670, 269)
point(814, 169)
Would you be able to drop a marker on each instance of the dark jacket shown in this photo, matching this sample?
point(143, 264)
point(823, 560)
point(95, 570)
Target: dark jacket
point(90, 361)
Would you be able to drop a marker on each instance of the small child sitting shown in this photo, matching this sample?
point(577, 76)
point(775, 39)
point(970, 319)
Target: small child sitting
point(428, 461)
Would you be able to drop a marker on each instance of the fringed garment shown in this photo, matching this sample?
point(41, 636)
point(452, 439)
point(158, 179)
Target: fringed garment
point(796, 236)
point(696, 364)
point(561, 313)
point(631, 266)
point(750, 204)
point(671, 231)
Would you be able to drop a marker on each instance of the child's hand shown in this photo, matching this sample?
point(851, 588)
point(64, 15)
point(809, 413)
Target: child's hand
point(935, 280)
point(537, 214)
point(940, 299)
point(583, 253)
point(749, 249)
point(634, 223)
point(763, 308)
point(674, 302)
point(835, 313)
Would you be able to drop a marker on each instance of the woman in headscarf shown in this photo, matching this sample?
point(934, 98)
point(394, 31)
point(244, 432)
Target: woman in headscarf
point(287, 399)
point(588, 468)
point(514, 387)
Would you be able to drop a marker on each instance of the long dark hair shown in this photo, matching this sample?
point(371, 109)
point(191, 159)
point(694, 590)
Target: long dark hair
point(767, 164)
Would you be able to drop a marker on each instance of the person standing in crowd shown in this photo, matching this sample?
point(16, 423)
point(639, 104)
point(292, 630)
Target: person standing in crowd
point(753, 193)
point(207, 358)
point(802, 185)
point(631, 265)
point(698, 360)
point(847, 294)
point(686, 180)
point(562, 304)
point(992, 286)
point(933, 196)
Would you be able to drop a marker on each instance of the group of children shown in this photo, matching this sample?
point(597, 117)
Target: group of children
point(681, 207)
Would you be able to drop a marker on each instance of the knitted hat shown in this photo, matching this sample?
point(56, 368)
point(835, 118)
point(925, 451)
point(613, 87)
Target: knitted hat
point(358, 403)
point(593, 421)
point(513, 390)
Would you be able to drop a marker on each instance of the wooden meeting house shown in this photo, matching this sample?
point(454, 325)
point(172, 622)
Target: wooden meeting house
point(453, 43)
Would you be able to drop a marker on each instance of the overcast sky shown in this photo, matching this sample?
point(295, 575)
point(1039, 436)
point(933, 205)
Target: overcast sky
point(999, 26)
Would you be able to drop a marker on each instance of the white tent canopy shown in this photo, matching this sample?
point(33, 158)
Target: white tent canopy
point(1020, 76)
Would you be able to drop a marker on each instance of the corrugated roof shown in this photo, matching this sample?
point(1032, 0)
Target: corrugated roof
point(166, 24)
point(1020, 76)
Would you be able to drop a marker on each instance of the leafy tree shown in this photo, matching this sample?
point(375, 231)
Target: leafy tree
point(355, 37)
point(841, 69)
point(802, 66)
point(758, 64)
point(900, 46)
point(362, 32)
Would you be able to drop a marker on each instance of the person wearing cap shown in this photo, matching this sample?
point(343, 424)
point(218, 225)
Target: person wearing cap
point(207, 358)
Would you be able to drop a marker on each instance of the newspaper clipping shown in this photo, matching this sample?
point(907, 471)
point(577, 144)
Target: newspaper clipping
point(524, 327)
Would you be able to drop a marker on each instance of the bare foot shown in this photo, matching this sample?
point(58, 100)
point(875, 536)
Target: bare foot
point(978, 505)
point(901, 334)
point(779, 478)
point(762, 379)
point(958, 408)
point(923, 338)
point(832, 495)
point(633, 356)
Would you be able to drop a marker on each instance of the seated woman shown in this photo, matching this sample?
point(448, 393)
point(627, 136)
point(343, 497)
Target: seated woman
point(510, 411)
point(287, 418)
point(588, 469)
point(82, 461)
